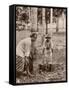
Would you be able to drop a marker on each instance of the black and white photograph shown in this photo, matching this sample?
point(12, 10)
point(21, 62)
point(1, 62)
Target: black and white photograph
point(41, 44)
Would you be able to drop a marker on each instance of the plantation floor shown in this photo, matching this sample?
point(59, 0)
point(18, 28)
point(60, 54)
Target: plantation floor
point(59, 61)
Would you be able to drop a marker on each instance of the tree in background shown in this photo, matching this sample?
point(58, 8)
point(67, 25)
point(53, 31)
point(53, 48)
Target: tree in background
point(47, 16)
point(22, 16)
point(57, 13)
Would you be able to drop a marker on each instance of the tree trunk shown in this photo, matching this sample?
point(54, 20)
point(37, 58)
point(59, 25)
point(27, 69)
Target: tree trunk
point(34, 18)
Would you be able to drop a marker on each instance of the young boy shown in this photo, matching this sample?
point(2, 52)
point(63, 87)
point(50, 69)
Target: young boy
point(48, 50)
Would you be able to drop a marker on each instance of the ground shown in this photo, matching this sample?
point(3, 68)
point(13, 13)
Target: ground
point(59, 60)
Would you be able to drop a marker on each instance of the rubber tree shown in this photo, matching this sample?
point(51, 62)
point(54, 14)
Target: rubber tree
point(57, 13)
point(47, 18)
point(33, 15)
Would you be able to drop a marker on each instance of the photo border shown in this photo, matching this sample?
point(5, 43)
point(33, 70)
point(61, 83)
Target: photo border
point(50, 82)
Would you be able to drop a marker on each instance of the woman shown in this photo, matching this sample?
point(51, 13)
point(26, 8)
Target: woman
point(25, 50)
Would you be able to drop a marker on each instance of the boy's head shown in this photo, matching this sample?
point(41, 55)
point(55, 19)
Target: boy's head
point(48, 37)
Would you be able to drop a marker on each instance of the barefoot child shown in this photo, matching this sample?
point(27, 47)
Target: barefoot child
point(48, 50)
